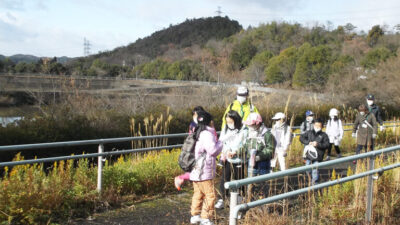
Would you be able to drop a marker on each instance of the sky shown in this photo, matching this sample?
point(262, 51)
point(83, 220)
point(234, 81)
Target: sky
point(58, 27)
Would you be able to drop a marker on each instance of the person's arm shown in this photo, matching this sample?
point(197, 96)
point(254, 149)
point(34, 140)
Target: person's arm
point(224, 117)
point(288, 136)
point(304, 138)
point(379, 116)
point(374, 125)
point(303, 128)
point(324, 143)
point(356, 124)
point(268, 149)
point(341, 131)
point(211, 145)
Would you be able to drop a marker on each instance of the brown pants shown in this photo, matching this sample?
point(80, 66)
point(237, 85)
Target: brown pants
point(203, 200)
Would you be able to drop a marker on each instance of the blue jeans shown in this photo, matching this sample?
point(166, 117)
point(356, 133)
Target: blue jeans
point(314, 172)
point(261, 167)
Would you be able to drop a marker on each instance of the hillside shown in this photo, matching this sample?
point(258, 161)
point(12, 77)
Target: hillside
point(190, 32)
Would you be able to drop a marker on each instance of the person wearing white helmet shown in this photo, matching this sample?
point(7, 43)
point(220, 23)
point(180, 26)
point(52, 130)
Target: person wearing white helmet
point(334, 130)
point(241, 104)
point(283, 137)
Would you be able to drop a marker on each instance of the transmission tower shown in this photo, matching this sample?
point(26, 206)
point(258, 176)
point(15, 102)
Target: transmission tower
point(219, 12)
point(86, 47)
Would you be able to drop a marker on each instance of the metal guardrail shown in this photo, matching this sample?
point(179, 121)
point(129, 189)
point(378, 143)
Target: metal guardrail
point(235, 185)
point(99, 155)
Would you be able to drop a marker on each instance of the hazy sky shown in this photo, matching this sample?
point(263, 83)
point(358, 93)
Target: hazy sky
point(58, 27)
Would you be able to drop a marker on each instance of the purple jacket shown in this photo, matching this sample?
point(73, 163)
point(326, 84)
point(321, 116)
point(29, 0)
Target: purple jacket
point(206, 151)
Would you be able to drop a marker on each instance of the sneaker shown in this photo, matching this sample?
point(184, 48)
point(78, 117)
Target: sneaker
point(178, 183)
point(195, 219)
point(206, 222)
point(339, 156)
point(219, 204)
point(328, 158)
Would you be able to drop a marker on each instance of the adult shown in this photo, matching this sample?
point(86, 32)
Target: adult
point(316, 142)
point(334, 130)
point(374, 109)
point(282, 133)
point(233, 163)
point(365, 129)
point(307, 125)
point(203, 174)
point(242, 105)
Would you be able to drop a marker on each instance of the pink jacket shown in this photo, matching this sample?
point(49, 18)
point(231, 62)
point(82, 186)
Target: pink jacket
point(206, 151)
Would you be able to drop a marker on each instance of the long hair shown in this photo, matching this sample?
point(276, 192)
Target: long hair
point(237, 120)
point(204, 119)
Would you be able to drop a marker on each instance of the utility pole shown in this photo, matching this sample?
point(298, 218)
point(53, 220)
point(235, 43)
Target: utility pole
point(219, 12)
point(86, 47)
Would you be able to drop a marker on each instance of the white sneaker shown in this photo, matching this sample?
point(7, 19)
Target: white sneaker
point(219, 204)
point(206, 222)
point(195, 219)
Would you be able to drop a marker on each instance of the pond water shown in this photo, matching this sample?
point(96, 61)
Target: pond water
point(4, 121)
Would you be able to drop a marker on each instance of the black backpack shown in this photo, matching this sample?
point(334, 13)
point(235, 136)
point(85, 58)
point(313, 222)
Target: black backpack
point(187, 158)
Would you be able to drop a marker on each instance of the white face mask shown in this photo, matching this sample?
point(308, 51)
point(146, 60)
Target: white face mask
point(195, 120)
point(317, 129)
point(332, 117)
point(241, 99)
point(310, 119)
point(362, 113)
point(278, 123)
point(231, 126)
point(370, 102)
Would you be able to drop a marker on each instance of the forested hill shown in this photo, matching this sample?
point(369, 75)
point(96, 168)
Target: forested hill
point(186, 34)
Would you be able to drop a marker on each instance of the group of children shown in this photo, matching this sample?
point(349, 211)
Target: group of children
point(246, 144)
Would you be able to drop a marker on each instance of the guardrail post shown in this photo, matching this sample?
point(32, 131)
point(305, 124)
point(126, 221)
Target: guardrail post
point(232, 204)
point(100, 168)
point(370, 189)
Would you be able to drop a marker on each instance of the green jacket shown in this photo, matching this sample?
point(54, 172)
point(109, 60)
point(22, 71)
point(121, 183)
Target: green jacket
point(264, 143)
point(243, 110)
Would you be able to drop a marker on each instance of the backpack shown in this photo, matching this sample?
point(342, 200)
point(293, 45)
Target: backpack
point(187, 158)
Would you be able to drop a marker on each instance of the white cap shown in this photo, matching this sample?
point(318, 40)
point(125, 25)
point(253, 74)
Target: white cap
point(242, 91)
point(333, 112)
point(278, 116)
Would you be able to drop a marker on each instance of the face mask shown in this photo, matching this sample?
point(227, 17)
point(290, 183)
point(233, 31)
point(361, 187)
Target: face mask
point(370, 102)
point(241, 99)
point(317, 129)
point(195, 120)
point(332, 117)
point(278, 123)
point(362, 113)
point(310, 119)
point(231, 126)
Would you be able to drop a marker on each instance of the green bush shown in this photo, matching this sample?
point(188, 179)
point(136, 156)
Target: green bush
point(375, 56)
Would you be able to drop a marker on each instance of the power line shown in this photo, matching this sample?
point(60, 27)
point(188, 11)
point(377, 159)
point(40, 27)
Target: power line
point(86, 47)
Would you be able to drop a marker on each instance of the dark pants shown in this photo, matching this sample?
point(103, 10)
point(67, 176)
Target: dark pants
point(360, 147)
point(337, 149)
point(230, 172)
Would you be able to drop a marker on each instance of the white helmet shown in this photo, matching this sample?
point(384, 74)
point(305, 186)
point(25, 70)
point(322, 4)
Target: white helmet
point(278, 116)
point(333, 112)
point(242, 91)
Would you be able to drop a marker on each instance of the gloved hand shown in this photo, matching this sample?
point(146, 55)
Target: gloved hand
point(354, 135)
point(373, 136)
point(381, 128)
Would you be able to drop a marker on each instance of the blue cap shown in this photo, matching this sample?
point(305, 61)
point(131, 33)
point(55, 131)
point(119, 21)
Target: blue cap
point(309, 113)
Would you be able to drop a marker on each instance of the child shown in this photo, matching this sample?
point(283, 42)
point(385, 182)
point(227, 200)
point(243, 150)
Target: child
point(179, 180)
point(334, 130)
point(233, 165)
point(283, 136)
point(206, 152)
